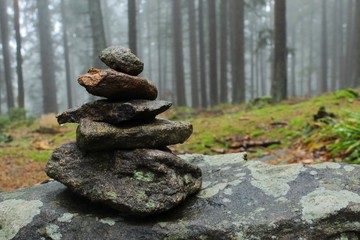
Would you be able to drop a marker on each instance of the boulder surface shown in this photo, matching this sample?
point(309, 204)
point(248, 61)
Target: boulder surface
point(159, 133)
point(117, 86)
point(121, 59)
point(239, 200)
point(114, 112)
point(140, 182)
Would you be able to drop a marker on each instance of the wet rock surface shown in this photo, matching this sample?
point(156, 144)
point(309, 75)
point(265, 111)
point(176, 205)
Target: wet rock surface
point(158, 133)
point(121, 59)
point(238, 200)
point(114, 112)
point(139, 182)
point(116, 85)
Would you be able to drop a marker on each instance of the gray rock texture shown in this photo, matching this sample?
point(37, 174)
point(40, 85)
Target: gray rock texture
point(239, 200)
point(140, 182)
point(159, 133)
point(121, 59)
point(114, 112)
point(117, 86)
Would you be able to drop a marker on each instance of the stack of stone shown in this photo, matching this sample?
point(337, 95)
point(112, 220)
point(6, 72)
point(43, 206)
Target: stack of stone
point(120, 157)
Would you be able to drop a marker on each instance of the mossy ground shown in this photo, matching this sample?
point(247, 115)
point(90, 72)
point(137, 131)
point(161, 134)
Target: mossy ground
point(23, 160)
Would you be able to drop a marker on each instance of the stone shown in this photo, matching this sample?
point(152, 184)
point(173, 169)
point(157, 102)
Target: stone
point(239, 200)
point(138, 182)
point(158, 133)
point(114, 112)
point(121, 59)
point(117, 86)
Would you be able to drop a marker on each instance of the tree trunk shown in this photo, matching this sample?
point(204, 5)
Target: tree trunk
point(279, 79)
point(178, 53)
point(132, 27)
point(98, 33)
point(193, 55)
point(6, 54)
point(302, 59)
point(348, 66)
point(148, 39)
point(293, 63)
point(203, 85)
point(311, 48)
point(66, 55)
point(212, 53)
point(159, 49)
point(335, 47)
point(357, 59)
point(323, 79)
point(47, 58)
point(223, 52)
point(21, 94)
point(237, 58)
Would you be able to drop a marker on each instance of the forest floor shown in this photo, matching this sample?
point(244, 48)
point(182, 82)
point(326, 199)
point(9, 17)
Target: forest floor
point(285, 131)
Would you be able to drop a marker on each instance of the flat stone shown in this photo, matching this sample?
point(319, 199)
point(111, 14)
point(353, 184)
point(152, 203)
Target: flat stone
point(140, 182)
point(114, 112)
point(122, 59)
point(239, 200)
point(159, 133)
point(116, 85)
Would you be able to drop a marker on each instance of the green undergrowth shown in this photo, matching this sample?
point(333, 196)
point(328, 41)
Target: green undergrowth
point(258, 121)
point(217, 128)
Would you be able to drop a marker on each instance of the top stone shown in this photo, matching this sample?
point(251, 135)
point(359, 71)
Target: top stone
point(122, 59)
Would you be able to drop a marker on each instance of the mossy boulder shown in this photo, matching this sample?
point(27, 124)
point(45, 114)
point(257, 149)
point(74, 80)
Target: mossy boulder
point(239, 200)
point(139, 182)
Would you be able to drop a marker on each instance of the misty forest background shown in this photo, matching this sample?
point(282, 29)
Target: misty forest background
point(199, 53)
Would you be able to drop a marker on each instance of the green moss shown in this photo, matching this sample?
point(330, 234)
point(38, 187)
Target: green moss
point(144, 176)
point(140, 195)
point(347, 94)
point(187, 179)
point(111, 195)
point(41, 156)
point(150, 205)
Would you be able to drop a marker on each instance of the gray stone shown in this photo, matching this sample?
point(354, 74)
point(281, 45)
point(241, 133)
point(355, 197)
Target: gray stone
point(239, 200)
point(114, 112)
point(138, 182)
point(117, 86)
point(159, 133)
point(121, 59)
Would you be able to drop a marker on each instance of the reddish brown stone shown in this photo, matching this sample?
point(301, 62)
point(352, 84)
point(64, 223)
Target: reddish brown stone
point(116, 85)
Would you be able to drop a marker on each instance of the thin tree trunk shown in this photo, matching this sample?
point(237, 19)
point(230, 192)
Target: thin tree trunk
point(47, 58)
point(193, 55)
point(357, 59)
point(66, 55)
point(132, 27)
point(203, 88)
point(148, 33)
point(223, 52)
point(178, 53)
point(212, 53)
point(21, 94)
point(311, 49)
point(302, 60)
point(349, 51)
point(6, 54)
point(293, 63)
point(237, 58)
point(263, 75)
point(159, 48)
point(279, 79)
point(323, 78)
point(98, 33)
point(107, 25)
point(335, 46)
